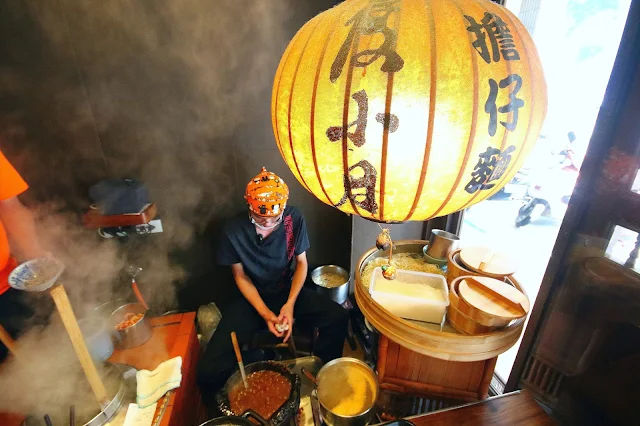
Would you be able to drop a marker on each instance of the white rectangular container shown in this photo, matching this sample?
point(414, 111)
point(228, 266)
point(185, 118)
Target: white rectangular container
point(405, 296)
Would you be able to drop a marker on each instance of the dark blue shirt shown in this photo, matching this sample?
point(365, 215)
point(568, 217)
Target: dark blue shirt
point(268, 262)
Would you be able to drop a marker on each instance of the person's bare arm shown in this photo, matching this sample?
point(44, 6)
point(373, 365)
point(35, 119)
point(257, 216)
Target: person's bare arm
point(299, 277)
point(250, 293)
point(21, 230)
point(297, 282)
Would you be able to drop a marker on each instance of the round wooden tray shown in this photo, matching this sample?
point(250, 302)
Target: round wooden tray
point(444, 345)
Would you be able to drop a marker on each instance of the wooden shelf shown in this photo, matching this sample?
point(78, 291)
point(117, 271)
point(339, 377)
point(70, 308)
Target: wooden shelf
point(94, 220)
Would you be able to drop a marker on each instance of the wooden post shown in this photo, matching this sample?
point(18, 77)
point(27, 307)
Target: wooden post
point(71, 324)
point(383, 347)
point(490, 366)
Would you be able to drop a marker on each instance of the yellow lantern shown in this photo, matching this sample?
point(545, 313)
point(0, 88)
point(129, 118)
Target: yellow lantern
point(400, 110)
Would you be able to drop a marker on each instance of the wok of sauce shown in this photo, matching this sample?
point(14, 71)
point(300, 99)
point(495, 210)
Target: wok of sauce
point(266, 393)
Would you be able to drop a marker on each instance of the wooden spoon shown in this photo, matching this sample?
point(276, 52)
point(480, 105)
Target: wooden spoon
point(236, 348)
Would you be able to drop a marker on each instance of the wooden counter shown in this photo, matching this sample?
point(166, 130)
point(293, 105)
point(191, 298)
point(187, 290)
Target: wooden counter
point(173, 335)
point(513, 409)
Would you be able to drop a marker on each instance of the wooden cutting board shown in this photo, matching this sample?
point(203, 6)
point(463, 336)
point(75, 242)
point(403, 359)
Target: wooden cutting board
point(497, 298)
point(487, 261)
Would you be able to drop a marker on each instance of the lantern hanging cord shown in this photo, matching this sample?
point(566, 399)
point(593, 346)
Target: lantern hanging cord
point(388, 231)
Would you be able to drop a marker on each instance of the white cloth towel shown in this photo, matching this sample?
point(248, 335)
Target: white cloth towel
point(152, 385)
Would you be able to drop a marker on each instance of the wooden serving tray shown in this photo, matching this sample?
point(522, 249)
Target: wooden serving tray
point(443, 344)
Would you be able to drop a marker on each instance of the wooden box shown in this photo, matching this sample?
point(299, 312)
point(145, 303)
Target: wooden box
point(406, 371)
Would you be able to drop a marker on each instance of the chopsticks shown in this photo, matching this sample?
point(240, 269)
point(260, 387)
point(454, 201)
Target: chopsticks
point(236, 348)
point(72, 417)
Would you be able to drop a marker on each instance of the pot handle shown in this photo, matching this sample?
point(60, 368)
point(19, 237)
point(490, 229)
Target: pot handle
point(252, 414)
point(309, 376)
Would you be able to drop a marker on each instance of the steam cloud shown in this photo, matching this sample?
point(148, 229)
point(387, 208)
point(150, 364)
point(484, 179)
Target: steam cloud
point(150, 90)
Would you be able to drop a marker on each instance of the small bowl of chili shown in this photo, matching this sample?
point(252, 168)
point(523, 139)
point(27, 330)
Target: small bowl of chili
point(131, 325)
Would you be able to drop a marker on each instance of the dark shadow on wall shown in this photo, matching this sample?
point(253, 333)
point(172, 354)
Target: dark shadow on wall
point(176, 94)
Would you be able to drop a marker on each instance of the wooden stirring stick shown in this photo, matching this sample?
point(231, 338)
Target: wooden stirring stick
point(479, 285)
point(71, 324)
point(236, 348)
point(6, 340)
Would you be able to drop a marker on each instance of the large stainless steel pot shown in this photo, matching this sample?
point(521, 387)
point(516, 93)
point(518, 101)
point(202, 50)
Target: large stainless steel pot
point(338, 292)
point(243, 420)
point(347, 380)
point(87, 411)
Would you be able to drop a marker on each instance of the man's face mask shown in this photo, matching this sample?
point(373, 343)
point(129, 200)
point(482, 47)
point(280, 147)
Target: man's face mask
point(265, 223)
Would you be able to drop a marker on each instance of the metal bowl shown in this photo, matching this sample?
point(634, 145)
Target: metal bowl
point(339, 292)
point(135, 335)
point(442, 263)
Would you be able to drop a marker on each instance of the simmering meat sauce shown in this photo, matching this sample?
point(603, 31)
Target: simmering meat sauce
point(267, 391)
point(129, 320)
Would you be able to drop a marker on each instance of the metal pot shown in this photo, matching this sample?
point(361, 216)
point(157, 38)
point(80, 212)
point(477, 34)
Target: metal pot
point(237, 420)
point(285, 413)
point(118, 390)
point(98, 335)
point(441, 243)
point(339, 292)
point(343, 380)
point(135, 335)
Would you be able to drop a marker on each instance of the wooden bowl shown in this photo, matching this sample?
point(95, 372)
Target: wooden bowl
point(455, 267)
point(478, 316)
point(464, 324)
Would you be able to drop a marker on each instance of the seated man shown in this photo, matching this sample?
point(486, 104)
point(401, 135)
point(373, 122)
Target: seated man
point(266, 250)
